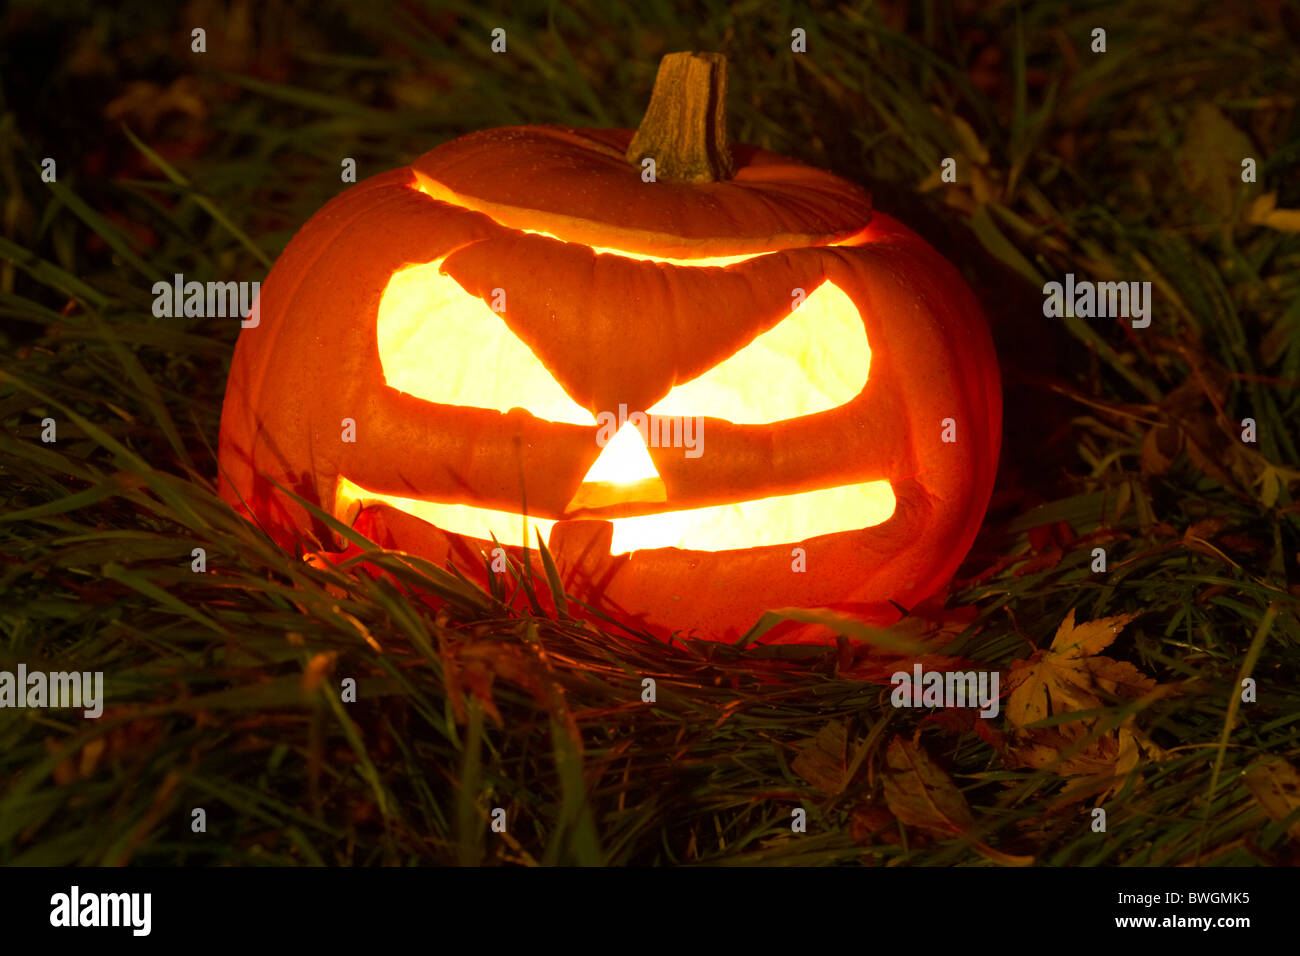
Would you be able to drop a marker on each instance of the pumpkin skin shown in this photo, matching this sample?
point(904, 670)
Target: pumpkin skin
point(614, 330)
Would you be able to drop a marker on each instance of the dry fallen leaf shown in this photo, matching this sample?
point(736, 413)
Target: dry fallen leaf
point(1264, 212)
point(920, 794)
point(821, 759)
point(977, 183)
point(1275, 785)
point(146, 104)
point(1068, 676)
point(1104, 763)
point(1133, 746)
point(871, 822)
point(1072, 676)
point(1051, 748)
point(1209, 162)
point(1160, 448)
point(473, 667)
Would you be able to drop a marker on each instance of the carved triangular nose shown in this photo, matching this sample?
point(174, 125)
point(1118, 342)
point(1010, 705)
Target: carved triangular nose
point(623, 474)
point(624, 459)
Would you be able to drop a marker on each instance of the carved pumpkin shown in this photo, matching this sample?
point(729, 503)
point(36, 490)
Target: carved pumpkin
point(446, 348)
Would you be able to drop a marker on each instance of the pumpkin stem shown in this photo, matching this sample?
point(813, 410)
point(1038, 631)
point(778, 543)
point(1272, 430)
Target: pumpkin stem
point(685, 126)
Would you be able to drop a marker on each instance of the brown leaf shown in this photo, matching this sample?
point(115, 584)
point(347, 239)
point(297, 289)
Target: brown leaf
point(1264, 212)
point(1108, 760)
point(1090, 637)
point(144, 104)
point(1040, 562)
point(477, 664)
point(1275, 784)
point(1159, 449)
point(868, 820)
point(990, 735)
point(1209, 161)
point(920, 794)
point(1051, 748)
point(821, 759)
point(1063, 678)
point(1119, 678)
point(1134, 745)
point(1214, 451)
point(1071, 676)
point(955, 720)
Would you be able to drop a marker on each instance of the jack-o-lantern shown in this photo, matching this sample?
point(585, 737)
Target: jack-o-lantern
point(711, 378)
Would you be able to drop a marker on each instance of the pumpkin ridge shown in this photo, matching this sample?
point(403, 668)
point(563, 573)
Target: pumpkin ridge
point(326, 485)
point(267, 336)
point(595, 197)
point(590, 232)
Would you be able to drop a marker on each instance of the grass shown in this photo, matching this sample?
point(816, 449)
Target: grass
point(223, 688)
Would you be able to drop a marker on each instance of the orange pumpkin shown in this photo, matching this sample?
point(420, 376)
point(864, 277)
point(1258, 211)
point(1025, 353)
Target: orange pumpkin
point(457, 349)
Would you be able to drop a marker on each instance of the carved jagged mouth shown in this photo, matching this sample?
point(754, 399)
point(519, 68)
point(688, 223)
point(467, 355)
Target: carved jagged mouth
point(782, 519)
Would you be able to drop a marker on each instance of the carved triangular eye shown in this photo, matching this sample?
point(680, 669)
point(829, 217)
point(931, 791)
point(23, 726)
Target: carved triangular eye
point(439, 343)
point(814, 360)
